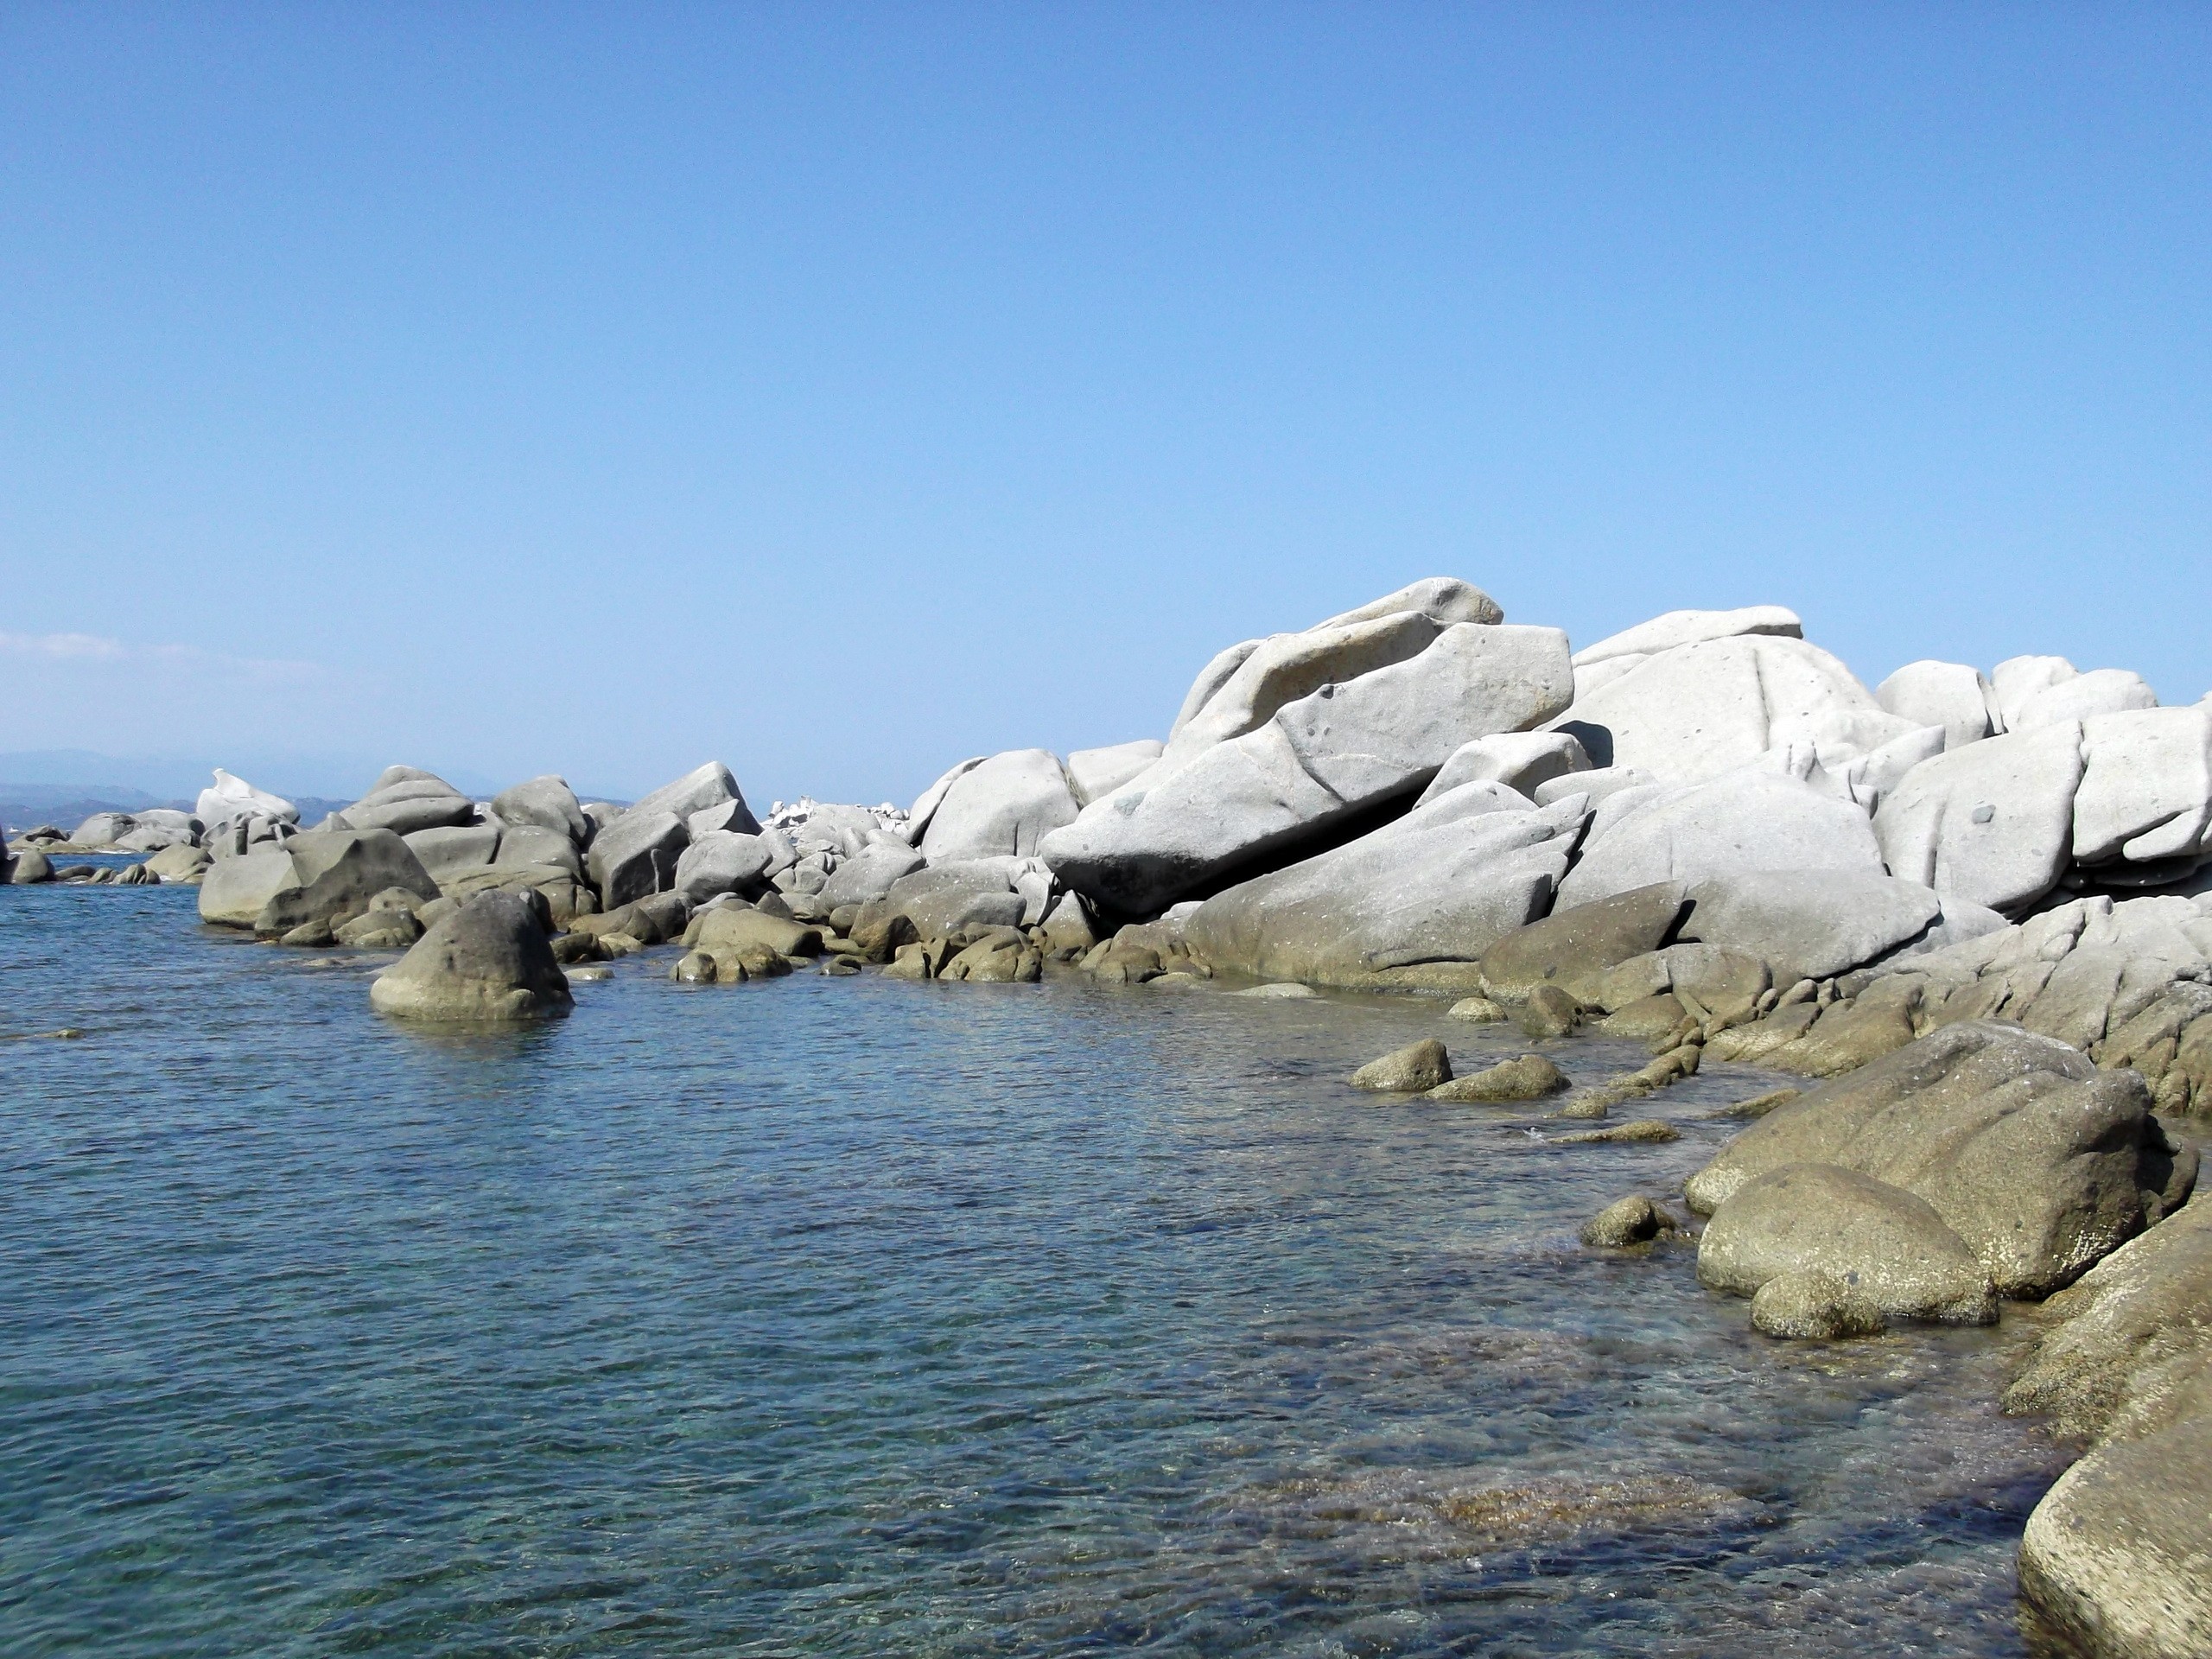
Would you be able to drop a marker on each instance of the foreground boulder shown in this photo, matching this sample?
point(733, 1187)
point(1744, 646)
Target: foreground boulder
point(1303, 733)
point(2037, 1160)
point(1881, 1246)
point(2118, 1556)
point(1415, 903)
point(487, 960)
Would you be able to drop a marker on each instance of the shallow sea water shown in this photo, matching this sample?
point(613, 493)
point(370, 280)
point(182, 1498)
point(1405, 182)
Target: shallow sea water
point(853, 1317)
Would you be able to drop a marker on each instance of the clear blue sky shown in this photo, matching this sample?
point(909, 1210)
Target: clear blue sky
point(843, 391)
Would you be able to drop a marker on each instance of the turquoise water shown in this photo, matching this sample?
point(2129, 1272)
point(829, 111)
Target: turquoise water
point(854, 1317)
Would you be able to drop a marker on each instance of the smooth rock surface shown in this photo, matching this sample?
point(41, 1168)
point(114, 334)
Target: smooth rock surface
point(1001, 808)
point(1523, 761)
point(1413, 1070)
point(1957, 698)
point(1809, 923)
point(1991, 823)
point(487, 960)
point(1577, 940)
point(636, 854)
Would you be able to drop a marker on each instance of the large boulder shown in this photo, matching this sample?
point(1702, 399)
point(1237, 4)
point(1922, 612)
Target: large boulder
point(179, 862)
point(452, 850)
point(406, 799)
point(547, 803)
point(235, 889)
point(158, 827)
point(945, 899)
point(1697, 710)
point(2146, 785)
point(1576, 942)
point(2118, 1556)
point(869, 875)
point(2084, 696)
point(102, 830)
point(1809, 923)
point(1002, 808)
point(532, 844)
point(335, 872)
point(1416, 902)
point(485, 960)
point(1749, 820)
point(1952, 695)
point(1887, 1247)
point(1094, 772)
point(1303, 767)
point(1622, 650)
point(1992, 823)
point(723, 860)
point(636, 854)
point(923, 810)
point(2029, 1152)
point(711, 784)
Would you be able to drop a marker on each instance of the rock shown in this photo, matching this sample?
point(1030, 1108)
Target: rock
point(2114, 1555)
point(722, 860)
point(378, 929)
point(694, 791)
point(565, 896)
point(635, 855)
point(1809, 923)
point(406, 799)
point(2024, 1149)
point(1646, 1130)
point(231, 798)
point(452, 850)
point(1634, 1220)
point(1413, 1070)
point(1646, 1019)
point(487, 960)
point(945, 899)
point(1530, 1077)
point(1809, 1305)
point(180, 862)
point(1888, 1247)
point(1950, 695)
point(1581, 939)
point(1279, 993)
point(1732, 825)
point(1479, 1009)
point(870, 875)
point(1001, 957)
point(1713, 976)
point(102, 830)
point(27, 869)
point(158, 827)
point(1093, 774)
point(926, 804)
point(1678, 628)
point(2146, 785)
point(1759, 1105)
point(312, 935)
point(532, 844)
point(334, 874)
point(1001, 808)
point(732, 929)
point(2020, 678)
point(1340, 750)
point(1548, 1012)
point(2102, 691)
point(1595, 786)
point(1443, 599)
point(1991, 823)
point(544, 803)
point(1694, 711)
point(1520, 761)
point(1415, 903)
point(1067, 929)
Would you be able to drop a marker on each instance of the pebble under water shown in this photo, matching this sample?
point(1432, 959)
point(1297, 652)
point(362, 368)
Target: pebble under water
point(856, 1317)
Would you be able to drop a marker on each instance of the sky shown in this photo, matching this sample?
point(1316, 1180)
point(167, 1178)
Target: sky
point(841, 391)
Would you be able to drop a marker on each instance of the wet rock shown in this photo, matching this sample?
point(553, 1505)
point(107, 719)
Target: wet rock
point(1548, 1012)
point(1633, 1220)
point(1003, 957)
point(1413, 1070)
point(1067, 929)
point(1809, 1305)
point(1279, 993)
point(1582, 940)
point(1478, 1009)
point(310, 935)
point(1888, 1247)
point(731, 930)
point(1647, 1130)
point(1530, 1077)
point(485, 960)
point(27, 869)
point(2036, 1159)
point(1759, 1105)
point(1652, 1017)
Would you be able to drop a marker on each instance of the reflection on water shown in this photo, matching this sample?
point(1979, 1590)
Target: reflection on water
point(854, 1317)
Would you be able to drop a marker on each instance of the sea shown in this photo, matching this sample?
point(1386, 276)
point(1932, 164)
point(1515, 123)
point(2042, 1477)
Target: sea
point(850, 1316)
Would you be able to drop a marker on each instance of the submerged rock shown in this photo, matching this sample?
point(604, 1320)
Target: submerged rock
point(1413, 1070)
point(1530, 1077)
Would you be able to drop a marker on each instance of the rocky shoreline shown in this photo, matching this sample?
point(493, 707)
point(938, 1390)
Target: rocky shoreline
point(1970, 910)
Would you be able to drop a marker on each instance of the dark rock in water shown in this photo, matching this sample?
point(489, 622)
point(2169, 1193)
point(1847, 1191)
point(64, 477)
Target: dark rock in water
point(1584, 939)
point(1548, 1012)
point(487, 960)
point(1634, 1220)
point(310, 934)
point(28, 870)
point(1645, 1019)
point(1004, 957)
point(335, 872)
point(1652, 1130)
point(2038, 1160)
point(1413, 1070)
point(1530, 1077)
point(1889, 1248)
point(1759, 1105)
